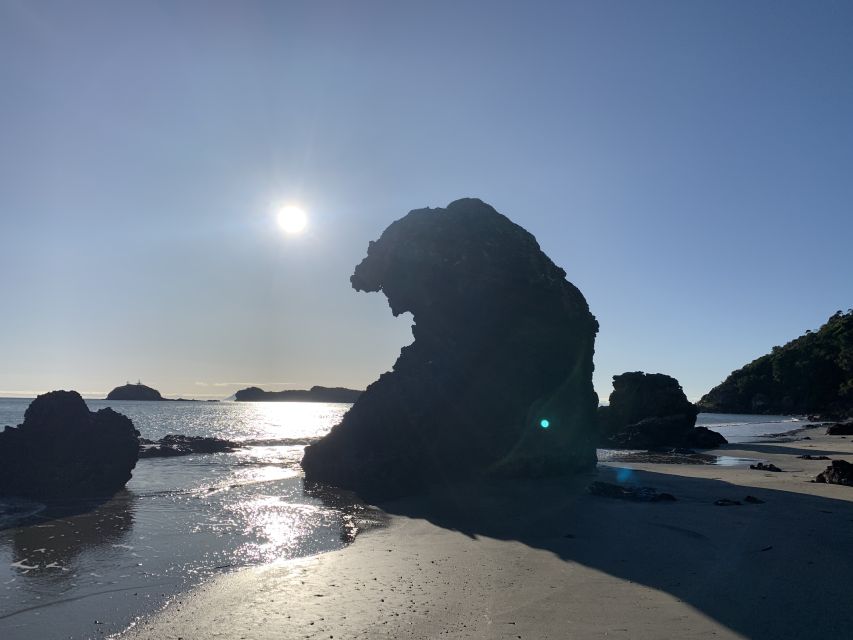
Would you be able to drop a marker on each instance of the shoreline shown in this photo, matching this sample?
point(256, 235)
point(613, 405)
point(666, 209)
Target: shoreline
point(547, 560)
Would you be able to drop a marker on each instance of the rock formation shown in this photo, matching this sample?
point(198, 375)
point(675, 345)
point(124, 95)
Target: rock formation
point(704, 438)
point(63, 450)
point(811, 374)
point(314, 394)
point(651, 410)
point(499, 377)
point(134, 392)
point(179, 445)
point(839, 472)
point(840, 429)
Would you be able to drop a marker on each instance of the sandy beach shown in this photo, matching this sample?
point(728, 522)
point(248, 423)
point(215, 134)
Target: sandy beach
point(547, 560)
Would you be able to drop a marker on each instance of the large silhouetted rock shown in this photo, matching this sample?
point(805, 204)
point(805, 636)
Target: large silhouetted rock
point(63, 450)
point(499, 377)
point(651, 410)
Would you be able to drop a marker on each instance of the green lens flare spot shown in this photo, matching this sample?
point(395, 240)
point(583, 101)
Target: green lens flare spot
point(544, 423)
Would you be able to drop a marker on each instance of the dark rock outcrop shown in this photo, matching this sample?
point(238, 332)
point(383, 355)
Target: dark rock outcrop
point(704, 438)
point(812, 374)
point(134, 392)
point(839, 472)
point(498, 380)
point(314, 394)
point(760, 466)
point(63, 450)
point(840, 429)
point(655, 432)
point(650, 410)
point(179, 445)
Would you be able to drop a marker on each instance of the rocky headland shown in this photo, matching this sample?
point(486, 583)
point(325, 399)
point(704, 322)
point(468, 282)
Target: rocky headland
point(498, 380)
point(314, 394)
point(650, 410)
point(63, 450)
point(812, 374)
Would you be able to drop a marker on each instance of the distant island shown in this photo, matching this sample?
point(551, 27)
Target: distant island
point(314, 394)
point(136, 391)
point(812, 374)
point(140, 391)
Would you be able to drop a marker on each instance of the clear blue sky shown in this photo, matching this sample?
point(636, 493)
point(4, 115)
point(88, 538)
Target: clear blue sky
point(689, 164)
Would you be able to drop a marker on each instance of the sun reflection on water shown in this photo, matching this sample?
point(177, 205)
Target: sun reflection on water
point(276, 528)
point(186, 518)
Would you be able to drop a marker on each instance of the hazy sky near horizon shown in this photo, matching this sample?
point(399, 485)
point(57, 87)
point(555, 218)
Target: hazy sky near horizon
point(687, 163)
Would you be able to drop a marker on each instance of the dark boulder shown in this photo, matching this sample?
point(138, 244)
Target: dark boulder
point(650, 410)
point(654, 432)
point(180, 445)
point(839, 472)
point(840, 429)
point(63, 450)
point(704, 438)
point(134, 392)
point(498, 380)
point(760, 466)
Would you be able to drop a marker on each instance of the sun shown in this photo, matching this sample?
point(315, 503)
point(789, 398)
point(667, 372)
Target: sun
point(292, 219)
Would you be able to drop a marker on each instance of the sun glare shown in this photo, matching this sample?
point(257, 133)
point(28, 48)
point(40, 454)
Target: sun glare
point(292, 219)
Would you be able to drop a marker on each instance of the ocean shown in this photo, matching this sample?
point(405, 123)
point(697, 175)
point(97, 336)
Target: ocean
point(182, 520)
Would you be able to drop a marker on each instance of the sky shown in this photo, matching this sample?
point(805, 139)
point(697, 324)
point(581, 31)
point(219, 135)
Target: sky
point(687, 163)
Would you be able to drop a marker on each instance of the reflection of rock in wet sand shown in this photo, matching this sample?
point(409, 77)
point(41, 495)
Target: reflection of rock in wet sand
point(51, 543)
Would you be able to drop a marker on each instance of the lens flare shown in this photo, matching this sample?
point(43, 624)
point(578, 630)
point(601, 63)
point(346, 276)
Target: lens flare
point(544, 423)
point(624, 475)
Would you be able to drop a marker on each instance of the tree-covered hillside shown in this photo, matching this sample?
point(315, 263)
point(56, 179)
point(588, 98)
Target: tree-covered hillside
point(811, 374)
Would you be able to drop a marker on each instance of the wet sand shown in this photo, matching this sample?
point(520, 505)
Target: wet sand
point(547, 560)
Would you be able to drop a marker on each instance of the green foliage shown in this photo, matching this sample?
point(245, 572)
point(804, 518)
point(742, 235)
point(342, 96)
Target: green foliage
point(811, 374)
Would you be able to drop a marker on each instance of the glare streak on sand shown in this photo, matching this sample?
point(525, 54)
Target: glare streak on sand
point(546, 560)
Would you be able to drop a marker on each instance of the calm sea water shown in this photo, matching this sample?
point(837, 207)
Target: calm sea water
point(181, 520)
